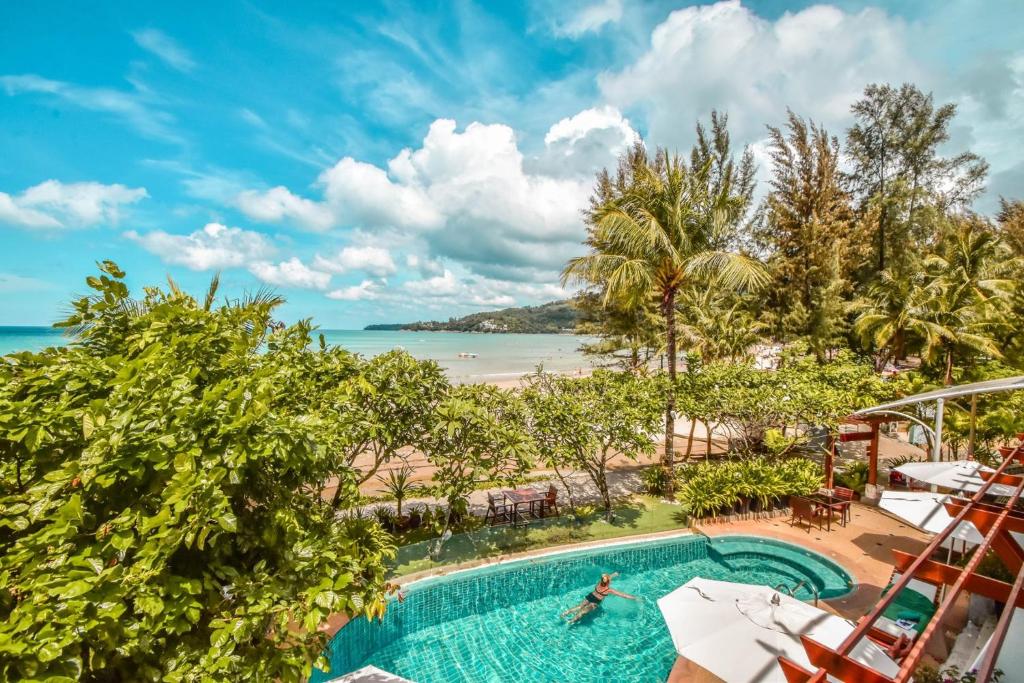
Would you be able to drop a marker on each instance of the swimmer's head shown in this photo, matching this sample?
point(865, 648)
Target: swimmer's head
point(605, 579)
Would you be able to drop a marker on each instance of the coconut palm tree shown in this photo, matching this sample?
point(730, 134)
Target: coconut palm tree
point(664, 231)
point(971, 286)
point(891, 316)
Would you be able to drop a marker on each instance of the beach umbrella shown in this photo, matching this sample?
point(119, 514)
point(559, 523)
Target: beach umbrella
point(737, 631)
point(927, 511)
point(959, 475)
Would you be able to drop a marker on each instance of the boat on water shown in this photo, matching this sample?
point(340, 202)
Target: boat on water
point(467, 354)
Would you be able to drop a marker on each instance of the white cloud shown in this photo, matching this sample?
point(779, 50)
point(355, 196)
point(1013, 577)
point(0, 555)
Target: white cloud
point(135, 108)
point(11, 211)
point(364, 193)
point(476, 291)
point(469, 196)
point(590, 18)
point(53, 204)
point(723, 56)
point(290, 273)
point(215, 246)
point(590, 140)
point(278, 204)
point(164, 47)
point(373, 260)
point(365, 290)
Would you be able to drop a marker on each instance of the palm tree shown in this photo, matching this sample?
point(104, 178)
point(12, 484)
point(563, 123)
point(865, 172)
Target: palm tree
point(664, 231)
point(891, 315)
point(717, 326)
point(971, 287)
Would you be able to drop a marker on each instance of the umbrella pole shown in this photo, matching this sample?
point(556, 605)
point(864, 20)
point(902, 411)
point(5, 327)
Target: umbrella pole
point(940, 405)
point(974, 422)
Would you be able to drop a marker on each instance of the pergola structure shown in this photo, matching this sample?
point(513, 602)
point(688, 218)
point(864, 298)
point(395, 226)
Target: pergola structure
point(994, 520)
point(876, 415)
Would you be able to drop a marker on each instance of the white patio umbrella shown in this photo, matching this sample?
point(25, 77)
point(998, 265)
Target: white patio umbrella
point(927, 512)
point(737, 631)
point(959, 475)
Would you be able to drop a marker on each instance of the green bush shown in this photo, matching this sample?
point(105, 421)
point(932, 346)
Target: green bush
point(710, 487)
point(854, 476)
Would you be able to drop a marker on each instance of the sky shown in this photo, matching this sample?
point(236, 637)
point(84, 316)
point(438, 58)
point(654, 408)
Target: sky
point(390, 162)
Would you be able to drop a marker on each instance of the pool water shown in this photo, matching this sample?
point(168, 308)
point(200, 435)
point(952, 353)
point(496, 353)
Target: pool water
point(501, 623)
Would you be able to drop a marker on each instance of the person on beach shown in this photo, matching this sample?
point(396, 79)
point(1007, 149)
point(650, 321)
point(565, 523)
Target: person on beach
point(594, 598)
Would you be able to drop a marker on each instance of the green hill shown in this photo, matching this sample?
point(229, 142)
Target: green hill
point(554, 317)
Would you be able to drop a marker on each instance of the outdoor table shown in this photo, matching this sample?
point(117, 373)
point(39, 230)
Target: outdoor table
point(523, 497)
point(832, 505)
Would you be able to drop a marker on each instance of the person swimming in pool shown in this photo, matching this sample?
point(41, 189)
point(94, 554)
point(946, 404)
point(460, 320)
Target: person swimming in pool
point(593, 600)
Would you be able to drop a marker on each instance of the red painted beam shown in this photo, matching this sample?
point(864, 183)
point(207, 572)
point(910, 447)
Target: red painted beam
point(854, 436)
point(938, 573)
point(840, 666)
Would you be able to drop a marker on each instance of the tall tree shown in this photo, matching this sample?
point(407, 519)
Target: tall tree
point(660, 227)
point(890, 317)
point(897, 169)
point(805, 228)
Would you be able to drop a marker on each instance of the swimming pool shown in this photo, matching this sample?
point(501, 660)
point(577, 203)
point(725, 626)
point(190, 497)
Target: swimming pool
point(500, 623)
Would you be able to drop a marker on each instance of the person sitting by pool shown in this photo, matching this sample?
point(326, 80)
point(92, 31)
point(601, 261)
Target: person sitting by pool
point(594, 598)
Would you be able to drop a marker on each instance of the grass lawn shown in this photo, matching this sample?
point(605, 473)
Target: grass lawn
point(638, 515)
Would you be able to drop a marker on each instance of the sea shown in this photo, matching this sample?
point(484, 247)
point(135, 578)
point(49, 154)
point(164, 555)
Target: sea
point(486, 357)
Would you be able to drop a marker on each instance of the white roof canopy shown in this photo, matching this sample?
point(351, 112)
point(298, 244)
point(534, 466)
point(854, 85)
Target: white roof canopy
point(986, 387)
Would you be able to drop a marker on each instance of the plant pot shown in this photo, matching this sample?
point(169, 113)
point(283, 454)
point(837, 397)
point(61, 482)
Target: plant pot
point(1005, 451)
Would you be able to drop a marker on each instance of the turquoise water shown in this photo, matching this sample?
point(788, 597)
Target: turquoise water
point(502, 623)
point(499, 356)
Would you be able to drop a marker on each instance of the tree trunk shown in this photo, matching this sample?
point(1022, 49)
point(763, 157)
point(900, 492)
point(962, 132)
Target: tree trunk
point(689, 441)
point(669, 307)
point(949, 366)
point(602, 485)
point(707, 453)
point(568, 490)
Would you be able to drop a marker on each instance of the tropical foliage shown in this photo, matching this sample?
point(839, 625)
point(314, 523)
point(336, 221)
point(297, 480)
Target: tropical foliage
point(712, 488)
point(580, 424)
point(662, 225)
point(158, 509)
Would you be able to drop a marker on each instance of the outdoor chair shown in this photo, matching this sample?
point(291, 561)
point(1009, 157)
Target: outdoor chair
point(550, 502)
point(497, 513)
point(804, 509)
point(846, 495)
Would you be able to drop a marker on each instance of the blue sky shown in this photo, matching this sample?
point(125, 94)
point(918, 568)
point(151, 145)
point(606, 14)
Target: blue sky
point(380, 162)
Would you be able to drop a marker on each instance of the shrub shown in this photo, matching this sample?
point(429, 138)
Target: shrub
point(855, 476)
point(709, 487)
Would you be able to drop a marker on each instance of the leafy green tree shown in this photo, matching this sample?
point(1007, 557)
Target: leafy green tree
point(897, 170)
point(806, 227)
point(479, 434)
point(716, 324)
point(580, 424)
point(156, 521)
point(664, 226)
point(385, 407)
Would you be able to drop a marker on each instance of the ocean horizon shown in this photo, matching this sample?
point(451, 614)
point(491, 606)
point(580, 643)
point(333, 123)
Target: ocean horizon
point(497, 356)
